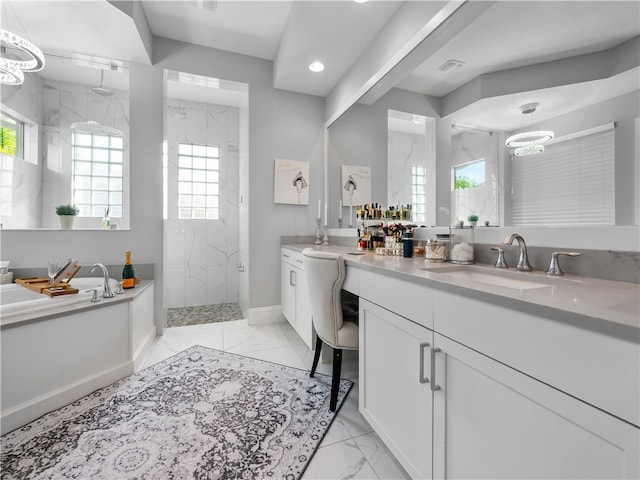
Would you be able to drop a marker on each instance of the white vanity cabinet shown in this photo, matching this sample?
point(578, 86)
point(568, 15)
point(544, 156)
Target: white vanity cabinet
point(395, 396)
point(294, 294)
point(491, 421)
point(463, 388)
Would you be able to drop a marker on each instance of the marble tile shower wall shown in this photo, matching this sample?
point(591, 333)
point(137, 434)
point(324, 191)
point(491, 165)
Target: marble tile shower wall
point(201, 256)
point(64, 104)
point(406, 150)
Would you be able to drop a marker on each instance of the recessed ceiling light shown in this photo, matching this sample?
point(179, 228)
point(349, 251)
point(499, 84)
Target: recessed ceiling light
point(361, 1)
point(316, 67)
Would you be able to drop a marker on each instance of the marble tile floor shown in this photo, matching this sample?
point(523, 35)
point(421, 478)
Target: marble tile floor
point(350, 448)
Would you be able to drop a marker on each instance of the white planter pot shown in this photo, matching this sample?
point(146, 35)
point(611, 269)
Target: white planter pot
point(66, 221)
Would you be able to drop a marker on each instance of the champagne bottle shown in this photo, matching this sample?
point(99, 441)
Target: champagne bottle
point(128, 277)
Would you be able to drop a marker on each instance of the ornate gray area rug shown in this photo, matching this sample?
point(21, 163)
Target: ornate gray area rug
point(222, 312)
point(201, 414)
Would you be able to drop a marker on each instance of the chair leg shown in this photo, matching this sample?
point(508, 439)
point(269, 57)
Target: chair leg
point(335, 381)
point(316, 357)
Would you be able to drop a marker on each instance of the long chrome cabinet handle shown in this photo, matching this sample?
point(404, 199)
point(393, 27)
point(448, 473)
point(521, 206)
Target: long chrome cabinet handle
point(434, 387)
point(423, 379)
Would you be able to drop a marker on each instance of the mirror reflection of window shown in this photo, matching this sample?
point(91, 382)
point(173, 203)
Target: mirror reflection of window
point(418, 192)
point(11, 137)
point(97, 170)
point(571, 183)
point(474, 175)
point(469, 191)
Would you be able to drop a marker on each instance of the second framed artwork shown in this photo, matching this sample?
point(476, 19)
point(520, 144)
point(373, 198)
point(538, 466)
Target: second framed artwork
point(291, 182)
point(356, 185)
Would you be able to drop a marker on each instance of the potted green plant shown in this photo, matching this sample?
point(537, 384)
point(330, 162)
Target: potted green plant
point(66, 213)
point(473, 219)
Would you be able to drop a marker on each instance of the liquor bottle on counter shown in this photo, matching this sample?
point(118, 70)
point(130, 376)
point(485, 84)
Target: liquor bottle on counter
point(128, 276)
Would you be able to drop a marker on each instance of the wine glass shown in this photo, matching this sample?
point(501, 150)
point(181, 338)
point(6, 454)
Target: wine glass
point(52, 265)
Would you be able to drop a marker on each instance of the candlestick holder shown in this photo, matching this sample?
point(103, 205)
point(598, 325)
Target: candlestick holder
point(326, 236)
point(318, 241)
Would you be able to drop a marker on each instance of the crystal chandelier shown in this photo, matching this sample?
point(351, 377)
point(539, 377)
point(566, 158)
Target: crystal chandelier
point(529, 142)
point(17, 55)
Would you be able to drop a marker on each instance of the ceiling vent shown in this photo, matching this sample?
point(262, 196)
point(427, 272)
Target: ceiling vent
point(450, 66)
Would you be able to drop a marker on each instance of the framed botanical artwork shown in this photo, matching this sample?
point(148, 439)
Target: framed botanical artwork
point(291, 182)
point(356, 185)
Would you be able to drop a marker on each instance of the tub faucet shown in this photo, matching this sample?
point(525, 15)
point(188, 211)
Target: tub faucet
point(523, 260)
point(106, 291)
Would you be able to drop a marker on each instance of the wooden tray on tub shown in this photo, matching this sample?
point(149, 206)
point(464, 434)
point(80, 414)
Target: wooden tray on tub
point(43, 285)
point(60, 285)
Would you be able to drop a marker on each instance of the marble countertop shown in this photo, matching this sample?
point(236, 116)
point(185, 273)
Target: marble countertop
point(604, 305)
point(56, 309)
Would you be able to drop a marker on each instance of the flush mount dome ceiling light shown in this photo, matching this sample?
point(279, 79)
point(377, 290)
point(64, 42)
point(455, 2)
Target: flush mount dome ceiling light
point(316, 66)
point(534, 137)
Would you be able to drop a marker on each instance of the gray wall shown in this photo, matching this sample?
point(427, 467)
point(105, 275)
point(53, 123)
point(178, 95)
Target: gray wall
point(281, 125)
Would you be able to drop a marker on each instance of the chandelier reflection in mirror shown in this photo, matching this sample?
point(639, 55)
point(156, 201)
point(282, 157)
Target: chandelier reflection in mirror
point(17, 55)
point(529, 142)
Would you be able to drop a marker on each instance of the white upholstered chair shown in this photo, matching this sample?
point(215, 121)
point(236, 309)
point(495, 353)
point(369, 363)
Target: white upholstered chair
point(325, 274)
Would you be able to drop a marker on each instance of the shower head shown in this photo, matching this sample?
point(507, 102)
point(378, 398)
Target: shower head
point(101, 90)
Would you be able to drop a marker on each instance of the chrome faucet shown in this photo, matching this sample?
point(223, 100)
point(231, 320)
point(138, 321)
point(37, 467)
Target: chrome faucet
point(523, 260)
point(106, 288)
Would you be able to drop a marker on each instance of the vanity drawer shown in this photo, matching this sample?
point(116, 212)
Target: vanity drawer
point(292, 257)
point(404, 298)
point(599, 369)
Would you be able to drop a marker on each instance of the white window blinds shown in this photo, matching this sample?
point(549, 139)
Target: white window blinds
point(570, 183)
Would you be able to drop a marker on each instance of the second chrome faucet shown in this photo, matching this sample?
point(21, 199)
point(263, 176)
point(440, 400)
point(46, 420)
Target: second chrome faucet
point(523, 260)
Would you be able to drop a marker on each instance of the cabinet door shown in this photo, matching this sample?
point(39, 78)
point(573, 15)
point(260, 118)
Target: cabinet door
point(395, 396)
point(288, 292)
point(303, 325)
point(491, 421)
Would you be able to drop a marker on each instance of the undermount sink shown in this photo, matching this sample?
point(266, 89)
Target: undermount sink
point(498, 277)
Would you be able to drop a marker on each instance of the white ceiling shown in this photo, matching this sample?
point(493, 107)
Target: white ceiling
point(294, 33)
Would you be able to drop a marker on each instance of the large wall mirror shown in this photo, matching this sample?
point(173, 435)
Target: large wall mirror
point(587, 92)
point(68, 127)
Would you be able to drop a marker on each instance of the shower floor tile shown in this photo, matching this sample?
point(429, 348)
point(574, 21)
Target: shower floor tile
point(223, 312)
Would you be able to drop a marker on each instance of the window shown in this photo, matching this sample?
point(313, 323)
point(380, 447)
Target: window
point(469, 175)
point(418, 192)
point(97, 172)
point(198, 176)
point(11, 136)
point(570, 183)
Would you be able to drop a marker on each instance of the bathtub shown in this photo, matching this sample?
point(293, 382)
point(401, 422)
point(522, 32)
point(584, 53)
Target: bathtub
point(16, 300)
point(56, 350)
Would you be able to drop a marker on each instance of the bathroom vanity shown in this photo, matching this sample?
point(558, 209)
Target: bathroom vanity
point(471, 372)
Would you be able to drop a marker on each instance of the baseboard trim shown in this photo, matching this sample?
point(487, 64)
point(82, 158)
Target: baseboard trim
point(26, 412)
point(143, 350)
point(265, 316)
